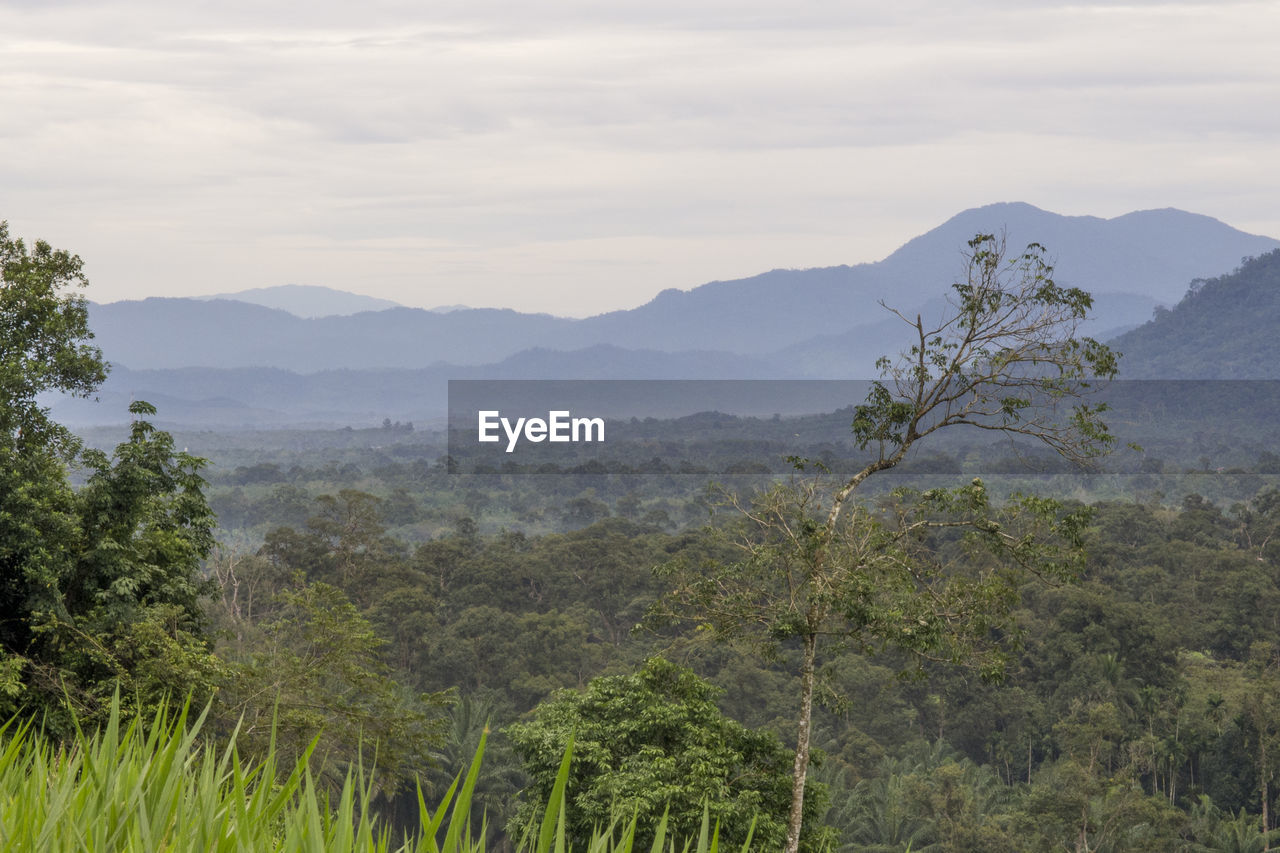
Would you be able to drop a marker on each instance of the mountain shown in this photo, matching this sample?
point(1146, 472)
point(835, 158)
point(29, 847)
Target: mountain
point(307, 300)
point(1225, 328)
point(1131, 264)
point(1151, 253)
point(160, 333)
point(212, 362)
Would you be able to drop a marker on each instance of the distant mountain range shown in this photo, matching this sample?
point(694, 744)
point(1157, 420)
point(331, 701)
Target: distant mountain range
point(815, 323)
point(307, 300)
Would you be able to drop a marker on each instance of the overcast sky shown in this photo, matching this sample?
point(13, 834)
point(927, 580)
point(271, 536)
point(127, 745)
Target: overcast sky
point(575, 157)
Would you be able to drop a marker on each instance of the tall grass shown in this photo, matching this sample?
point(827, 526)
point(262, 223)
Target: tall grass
point(162, 787)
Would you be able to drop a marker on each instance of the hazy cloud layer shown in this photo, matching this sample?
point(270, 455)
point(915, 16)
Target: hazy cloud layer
point(574, 157)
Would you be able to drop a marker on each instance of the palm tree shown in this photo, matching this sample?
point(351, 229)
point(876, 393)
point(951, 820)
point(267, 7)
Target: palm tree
point(1217, 831)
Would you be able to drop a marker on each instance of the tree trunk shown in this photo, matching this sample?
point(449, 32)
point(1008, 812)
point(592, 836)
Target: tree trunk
point(801, 769)
point(1266, 796)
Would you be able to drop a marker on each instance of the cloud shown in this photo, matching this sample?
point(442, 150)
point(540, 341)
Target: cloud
point(187, 150)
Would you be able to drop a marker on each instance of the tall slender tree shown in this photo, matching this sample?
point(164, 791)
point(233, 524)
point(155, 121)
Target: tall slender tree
point(933, 572)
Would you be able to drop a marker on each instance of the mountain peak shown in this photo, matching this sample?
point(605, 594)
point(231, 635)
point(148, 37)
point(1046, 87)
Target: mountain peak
point(1147, 251)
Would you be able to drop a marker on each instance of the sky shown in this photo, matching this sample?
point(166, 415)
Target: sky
point(575, 157)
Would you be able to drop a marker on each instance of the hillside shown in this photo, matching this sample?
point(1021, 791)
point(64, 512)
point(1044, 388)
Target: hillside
point(1225, 328)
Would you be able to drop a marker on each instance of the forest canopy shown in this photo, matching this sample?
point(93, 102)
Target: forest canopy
point(356, 591)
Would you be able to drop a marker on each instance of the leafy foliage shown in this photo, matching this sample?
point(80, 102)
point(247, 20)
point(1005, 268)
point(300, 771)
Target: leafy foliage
point(100, 588)
point(1224, 328)
point(1004, 358)
point(654, 743)
point(103, 585)
point(935, 572)
point(314, 685)
point(141, 787)
point(43, 334)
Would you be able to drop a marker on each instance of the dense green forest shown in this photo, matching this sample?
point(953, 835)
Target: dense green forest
point(1142, 699)
point(1222, 329)
point(1095, 667)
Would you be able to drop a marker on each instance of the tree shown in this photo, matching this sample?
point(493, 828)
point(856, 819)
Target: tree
point(344, 544)
point(1261, 706)
point(310, 680)
point(650, 742)
point(499, 778)
point(43, 342)
point(102, 586)
point(99, 587)
point(933, 572)
point(1216, 831)
point(43, 331)
point(929, 801)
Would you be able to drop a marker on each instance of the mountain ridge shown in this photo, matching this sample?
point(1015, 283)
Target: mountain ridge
point(306, 300)
point(822, 322)
point(749, 317)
